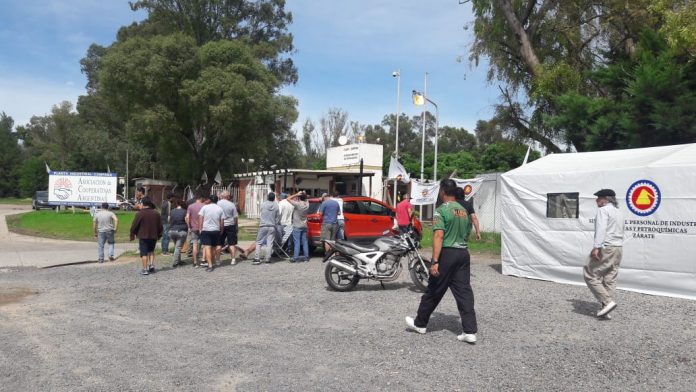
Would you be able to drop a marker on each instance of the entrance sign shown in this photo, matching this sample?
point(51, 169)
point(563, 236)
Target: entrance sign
point(81, 188)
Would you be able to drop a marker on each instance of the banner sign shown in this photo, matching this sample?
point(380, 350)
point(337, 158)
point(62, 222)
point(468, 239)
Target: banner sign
point(424, 193)
point(470, 186)
point(81, 189)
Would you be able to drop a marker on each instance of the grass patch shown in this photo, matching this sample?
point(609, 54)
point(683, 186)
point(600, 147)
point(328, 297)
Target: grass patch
point(15, 200)
point(490, 242)
point(65, 225)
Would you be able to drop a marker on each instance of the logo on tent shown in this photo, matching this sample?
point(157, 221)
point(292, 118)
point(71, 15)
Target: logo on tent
point(467, 190)
point(643, 197)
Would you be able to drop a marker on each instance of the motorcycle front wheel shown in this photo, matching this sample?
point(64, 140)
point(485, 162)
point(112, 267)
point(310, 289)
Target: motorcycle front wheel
point(420, 276)
point(340, 280)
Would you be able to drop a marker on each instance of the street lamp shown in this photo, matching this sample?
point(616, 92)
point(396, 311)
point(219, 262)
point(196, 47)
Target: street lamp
point(247, 161)
point(397, 75)
point(420, 100)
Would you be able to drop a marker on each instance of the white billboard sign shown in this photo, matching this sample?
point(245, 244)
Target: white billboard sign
point(81, 189)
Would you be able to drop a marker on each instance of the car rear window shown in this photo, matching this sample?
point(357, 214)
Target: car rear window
point(313, 207)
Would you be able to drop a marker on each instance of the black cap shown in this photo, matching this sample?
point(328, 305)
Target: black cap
point(605, 193)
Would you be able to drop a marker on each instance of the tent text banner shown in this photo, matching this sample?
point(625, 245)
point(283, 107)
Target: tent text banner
point(81, 188)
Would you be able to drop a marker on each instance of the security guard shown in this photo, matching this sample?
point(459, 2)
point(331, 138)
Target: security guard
point(450, 265)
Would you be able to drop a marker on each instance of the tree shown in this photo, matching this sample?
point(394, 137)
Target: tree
point(487, 132)
point(505, 155)
point(452, 140)
point(261, 24)
point(10, 157)
point(201, 100)
point(33, 177)
point(544, 48)
point(333, 125)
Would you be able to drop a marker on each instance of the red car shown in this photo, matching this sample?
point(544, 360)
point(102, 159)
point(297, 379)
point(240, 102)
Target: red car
point(365, 219)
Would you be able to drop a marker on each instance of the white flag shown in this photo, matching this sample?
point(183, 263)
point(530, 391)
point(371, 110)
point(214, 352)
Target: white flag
point(424, 193)
point(397, 170)
point(526, 156)
point(470, 186)
point(108, 169)
point(204, 177)
point(218, 178)
point(48, 169)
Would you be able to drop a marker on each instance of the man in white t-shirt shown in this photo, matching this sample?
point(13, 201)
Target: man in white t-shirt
point(228, 239)
point(341, 233)
point(211, 222)
point(286, 210)
point(105, 224)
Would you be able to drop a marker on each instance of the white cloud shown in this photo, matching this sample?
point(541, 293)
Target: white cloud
point(21, 98)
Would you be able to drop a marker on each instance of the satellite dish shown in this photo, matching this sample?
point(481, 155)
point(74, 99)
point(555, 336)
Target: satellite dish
point(342, 140)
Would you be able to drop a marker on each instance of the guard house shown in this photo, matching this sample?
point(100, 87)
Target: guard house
point(156, 190)
point(343, 175)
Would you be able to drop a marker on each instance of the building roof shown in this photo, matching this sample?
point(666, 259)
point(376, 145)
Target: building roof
point(665, 156)
point(319, 173)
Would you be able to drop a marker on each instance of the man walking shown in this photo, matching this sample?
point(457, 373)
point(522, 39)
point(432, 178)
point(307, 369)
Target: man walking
point(450, 266)
point(147, 226)
point(299, 226)
point(603, 267)
point(230, 220)
point(270, 217)
point(105, 224)
point(328, 210)
point(211, 222)
point(165, 208)
point(469, 207)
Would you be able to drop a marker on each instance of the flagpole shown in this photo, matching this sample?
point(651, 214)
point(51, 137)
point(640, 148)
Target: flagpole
point(396, 144)
point(422, 175)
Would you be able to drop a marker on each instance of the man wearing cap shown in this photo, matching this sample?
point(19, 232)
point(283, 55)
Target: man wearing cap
point(602, 269)
point(450, 266)
point(404, 213)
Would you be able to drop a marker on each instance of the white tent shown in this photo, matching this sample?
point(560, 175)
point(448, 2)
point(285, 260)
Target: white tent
point(548, 210)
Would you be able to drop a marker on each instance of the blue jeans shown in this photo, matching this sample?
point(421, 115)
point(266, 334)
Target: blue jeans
point(341, 233)
point(102, 238)
point(165, 238)
point(178, 237)
point(299, 237)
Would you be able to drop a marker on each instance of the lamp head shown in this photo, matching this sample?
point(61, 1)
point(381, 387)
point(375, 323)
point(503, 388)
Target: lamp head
point(396, 74)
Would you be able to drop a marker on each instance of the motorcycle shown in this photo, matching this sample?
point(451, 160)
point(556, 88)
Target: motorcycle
point(347, 262)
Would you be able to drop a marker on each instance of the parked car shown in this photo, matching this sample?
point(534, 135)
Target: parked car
point(123, 204)
point(365, 219)
point(40, 200)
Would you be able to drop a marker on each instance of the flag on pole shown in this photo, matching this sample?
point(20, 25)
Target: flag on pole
point(48, 169)
point(204, 177)
point(423, 193)
point(397, 170)
point(218, 178)
point(470, 186)
point(526, 156)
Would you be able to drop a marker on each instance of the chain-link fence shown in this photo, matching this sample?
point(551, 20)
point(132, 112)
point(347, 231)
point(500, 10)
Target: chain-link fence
point(487, 203)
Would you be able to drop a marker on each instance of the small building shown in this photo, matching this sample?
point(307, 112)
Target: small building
point(156, 190)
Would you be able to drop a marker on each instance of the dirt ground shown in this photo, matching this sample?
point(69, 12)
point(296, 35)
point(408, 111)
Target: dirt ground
point(278, 327)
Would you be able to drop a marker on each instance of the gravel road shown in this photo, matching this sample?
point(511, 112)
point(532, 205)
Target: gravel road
point(278, 327)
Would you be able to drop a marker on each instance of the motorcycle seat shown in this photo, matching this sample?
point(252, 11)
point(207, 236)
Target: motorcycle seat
point(361, 248)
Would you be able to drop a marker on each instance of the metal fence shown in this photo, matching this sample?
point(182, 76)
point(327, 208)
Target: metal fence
point(253, 197)
point(487, 203)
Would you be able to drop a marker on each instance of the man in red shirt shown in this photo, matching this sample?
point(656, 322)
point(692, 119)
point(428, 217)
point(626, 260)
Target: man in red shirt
point(404, 213)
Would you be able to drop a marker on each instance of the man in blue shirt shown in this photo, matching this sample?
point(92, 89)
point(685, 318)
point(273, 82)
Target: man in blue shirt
point(329, 211)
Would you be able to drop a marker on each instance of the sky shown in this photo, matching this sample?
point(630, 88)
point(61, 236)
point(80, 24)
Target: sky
point(346, 52)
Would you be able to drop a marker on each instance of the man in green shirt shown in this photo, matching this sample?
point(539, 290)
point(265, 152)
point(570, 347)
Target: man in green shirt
point(451, 265)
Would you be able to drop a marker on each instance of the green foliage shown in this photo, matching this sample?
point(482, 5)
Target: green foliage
point(504, 156)
point(33, 177)
point(10, 158)
point(648, 100)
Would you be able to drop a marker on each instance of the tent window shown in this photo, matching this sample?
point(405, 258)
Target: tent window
point(562, 205)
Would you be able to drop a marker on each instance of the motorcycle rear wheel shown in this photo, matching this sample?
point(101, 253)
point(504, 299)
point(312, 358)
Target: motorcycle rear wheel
point(340, 280)
point(419, 276)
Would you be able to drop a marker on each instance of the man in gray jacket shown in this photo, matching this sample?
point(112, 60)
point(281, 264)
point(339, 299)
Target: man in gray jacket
point(270, 218)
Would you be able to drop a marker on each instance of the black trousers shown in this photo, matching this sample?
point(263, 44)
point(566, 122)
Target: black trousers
point(455, 273)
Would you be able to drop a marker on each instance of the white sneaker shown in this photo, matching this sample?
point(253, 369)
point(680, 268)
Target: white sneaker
point(410, 324)
point(233, 262)
point(467, 337)
point(607, 309)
